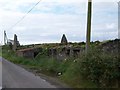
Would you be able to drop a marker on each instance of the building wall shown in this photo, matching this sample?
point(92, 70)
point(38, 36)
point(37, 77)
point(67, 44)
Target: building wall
point(20, 54)
point(28, 54)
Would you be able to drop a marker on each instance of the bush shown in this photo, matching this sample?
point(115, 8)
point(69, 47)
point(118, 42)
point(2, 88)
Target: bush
point(101, 68)
point(97, 67)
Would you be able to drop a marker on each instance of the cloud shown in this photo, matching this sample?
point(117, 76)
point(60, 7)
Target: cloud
point(110, 26)
point(51, 18)
point(18, 29)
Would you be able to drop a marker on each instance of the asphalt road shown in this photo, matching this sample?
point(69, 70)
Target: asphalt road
point(14, 76)
point(0, 73)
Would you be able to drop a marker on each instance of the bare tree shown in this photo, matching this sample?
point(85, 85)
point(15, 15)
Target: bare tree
point(89, 17)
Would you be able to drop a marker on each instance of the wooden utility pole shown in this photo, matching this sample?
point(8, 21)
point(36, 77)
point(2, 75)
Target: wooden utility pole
point(89, 17)
point(118, 43)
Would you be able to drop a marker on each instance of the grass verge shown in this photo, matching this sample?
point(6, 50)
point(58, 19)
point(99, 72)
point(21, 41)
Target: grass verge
point(92, 71)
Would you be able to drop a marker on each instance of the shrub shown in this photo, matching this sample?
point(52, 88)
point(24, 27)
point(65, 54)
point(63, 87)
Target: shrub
point(72, 75)
point(101, 68)
point(98, 67)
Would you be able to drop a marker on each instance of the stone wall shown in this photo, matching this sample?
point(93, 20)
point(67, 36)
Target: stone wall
point(29, 52)
point(62, 53)
point(112, 46)
point(65, 51)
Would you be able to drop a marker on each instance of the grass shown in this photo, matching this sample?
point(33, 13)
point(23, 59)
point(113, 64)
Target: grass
point(0, 50)
point(65, 71)
point(75, 73)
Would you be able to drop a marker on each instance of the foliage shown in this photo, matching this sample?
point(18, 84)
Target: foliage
point(73, 77)
point(0, 51)
point(101, 68)
point(96, 69)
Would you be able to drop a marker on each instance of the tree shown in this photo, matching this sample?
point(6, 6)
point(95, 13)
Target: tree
point(89, 17)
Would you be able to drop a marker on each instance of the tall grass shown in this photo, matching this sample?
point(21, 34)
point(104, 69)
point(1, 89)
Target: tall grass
point(97, 69)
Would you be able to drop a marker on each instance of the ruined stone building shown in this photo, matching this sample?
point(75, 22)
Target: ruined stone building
point(15, 43)
point(29, 52)
point(64, 39)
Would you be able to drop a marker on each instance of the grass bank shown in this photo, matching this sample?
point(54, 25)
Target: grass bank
point(94, 70)
point(0, 50)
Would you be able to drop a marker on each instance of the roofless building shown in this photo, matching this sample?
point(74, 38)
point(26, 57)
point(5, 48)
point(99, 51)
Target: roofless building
point(64, 39)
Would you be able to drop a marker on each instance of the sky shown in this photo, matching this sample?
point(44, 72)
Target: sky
point(50, 19)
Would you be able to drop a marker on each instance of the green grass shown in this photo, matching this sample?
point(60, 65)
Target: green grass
point(50, 66)
point(0, 50)
point(78, 73)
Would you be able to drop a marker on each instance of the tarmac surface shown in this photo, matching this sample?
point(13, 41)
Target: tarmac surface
point(14, 76)
point(0, 73)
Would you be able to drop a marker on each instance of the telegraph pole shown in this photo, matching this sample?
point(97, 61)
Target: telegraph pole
point(118, 42)
point(88, 34)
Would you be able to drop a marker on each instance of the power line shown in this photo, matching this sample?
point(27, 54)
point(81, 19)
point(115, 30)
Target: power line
point(25, 15)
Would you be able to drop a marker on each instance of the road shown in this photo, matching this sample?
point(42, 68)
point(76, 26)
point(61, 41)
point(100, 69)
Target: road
point(14, 76)
point(0, 73)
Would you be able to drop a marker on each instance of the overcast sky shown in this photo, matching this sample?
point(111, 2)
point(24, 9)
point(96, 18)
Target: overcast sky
point(52, 18)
